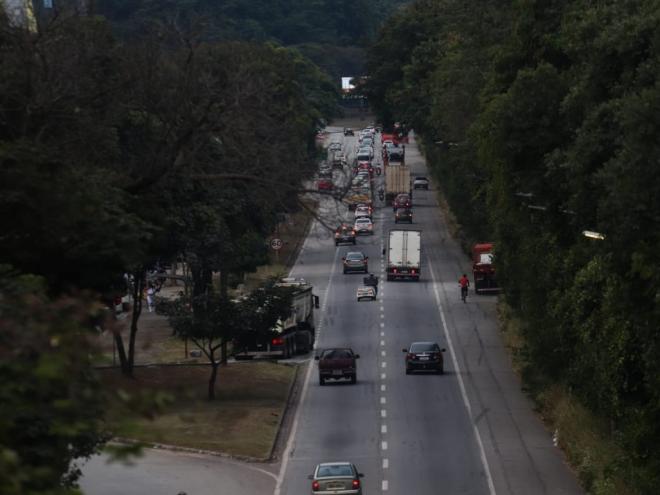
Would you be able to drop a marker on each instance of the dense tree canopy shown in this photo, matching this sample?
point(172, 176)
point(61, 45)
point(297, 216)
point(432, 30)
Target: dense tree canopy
point(540, 120)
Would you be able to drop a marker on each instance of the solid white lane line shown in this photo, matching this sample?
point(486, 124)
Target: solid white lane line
point(386, 463)
point(296, 418)
point(466, 400)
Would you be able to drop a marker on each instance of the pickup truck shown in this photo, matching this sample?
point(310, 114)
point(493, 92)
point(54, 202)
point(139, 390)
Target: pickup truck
point(337, 364)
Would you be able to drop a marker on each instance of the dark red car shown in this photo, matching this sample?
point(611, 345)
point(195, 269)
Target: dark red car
point(402, 201)
point(325, 185)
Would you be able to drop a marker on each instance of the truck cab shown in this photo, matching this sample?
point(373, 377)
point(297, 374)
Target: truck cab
point(483, 270)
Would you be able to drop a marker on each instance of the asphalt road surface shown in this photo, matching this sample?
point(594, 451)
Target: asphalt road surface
point(470, 431)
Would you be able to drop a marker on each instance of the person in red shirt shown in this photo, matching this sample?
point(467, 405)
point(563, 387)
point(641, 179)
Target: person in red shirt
point(464, 282)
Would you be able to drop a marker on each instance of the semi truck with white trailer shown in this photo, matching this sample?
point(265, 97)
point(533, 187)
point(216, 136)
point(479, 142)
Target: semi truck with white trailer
point(404, 250)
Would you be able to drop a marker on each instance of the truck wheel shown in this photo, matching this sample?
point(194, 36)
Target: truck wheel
point(321, 381)
point(353, 379)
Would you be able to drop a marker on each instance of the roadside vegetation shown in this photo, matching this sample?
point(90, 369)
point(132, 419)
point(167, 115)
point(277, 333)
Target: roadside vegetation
point(539, 120)
point(116, 155)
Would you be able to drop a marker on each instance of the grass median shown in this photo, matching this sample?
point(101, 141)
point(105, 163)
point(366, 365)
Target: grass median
point(242, 421)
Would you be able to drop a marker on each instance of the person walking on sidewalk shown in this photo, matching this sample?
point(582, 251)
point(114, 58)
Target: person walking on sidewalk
point(151, 292)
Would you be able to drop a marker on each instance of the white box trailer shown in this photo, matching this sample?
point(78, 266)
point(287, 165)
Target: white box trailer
point(404, 254)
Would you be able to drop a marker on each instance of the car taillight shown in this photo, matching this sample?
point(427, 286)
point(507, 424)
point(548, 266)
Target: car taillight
point(394, 270)
point(412, 271)
point(356, 484)
point(353, 231)
point(277, 341)
point(316, 486)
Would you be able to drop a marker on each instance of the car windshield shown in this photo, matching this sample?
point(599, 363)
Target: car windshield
point(355, 256)
point(420, 178)
point(333, 470)
point(337, 354)
point(424, 347)
point(363, 220)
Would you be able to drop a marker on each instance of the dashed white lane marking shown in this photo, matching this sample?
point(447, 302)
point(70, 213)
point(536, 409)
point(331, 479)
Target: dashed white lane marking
point(383, 365)
point(383, 445)
point(383, 400)
point(382, 334)
point(383, 376)
point(385, 486)
point(382, 325)
point(383, 353)
point(383, 387)
point(386, 463)
point(382, 316)
point(466, 400)
point(383, 429)
point(382, 343)
point(382, 308)
point(383, 413)
point(296, 418)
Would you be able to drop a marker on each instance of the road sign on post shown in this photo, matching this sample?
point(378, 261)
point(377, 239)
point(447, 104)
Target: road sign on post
point(276, 244)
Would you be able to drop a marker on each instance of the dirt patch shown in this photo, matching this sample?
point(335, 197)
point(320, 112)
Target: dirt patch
point(242, 421)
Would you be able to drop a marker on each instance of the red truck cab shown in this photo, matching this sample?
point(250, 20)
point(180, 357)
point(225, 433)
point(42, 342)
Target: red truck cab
point(483, 270)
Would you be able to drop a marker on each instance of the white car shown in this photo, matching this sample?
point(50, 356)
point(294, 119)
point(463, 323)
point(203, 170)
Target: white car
point(366, 293)
point(420, 182)
point(388, 142)
point(334, 147)
point(362, 211)
point(364, 225)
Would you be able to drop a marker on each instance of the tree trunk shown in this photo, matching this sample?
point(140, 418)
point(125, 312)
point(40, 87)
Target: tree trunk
point(121, 352)
point(138, 286)
point(212, 380)
point(224, 289)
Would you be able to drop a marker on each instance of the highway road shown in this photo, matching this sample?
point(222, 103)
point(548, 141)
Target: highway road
point(470, 431)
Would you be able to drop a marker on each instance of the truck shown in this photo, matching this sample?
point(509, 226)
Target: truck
point(295, 335)
point(397, 181)
point(483, 270)
point(404, 250)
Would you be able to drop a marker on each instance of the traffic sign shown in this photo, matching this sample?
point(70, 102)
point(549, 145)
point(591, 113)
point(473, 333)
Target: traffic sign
point(276, 244)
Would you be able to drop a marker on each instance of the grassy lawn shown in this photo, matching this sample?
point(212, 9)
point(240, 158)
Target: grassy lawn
point(242, 421)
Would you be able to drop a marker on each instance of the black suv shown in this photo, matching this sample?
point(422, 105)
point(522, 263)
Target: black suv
point(344, 233)
point(348, 131)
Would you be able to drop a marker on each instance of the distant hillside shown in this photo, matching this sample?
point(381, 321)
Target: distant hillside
point(332, 33)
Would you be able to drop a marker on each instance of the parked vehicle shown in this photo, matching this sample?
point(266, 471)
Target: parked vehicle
point(424, 356)
point(344, 234)
point(331, 478)
point(483, 270)
point(404, 254)
point(355, 261)
point(295, 335)
point(337, 364)
point(420, 182)
point(325, 185)
point(348, 131)
point(397, 181)
point(403, 215)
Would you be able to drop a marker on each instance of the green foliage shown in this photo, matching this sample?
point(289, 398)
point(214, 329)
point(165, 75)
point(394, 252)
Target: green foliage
point(540, 120)
point(51, 407)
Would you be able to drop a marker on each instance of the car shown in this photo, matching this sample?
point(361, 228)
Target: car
point(363, 225)
point(334, 146)
point(424, 356)
point(356, 261)
point(336, 477)
point(402, 201)
point(344, 233)
point(366, 293)
point(367, 141)
point(324, 185)
point(362, 211)
point(403, 215)
point(420, 182)
point(387, 143)
point(325, 171)
point(348, 131)
point(365, 205)
point(337, 363)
